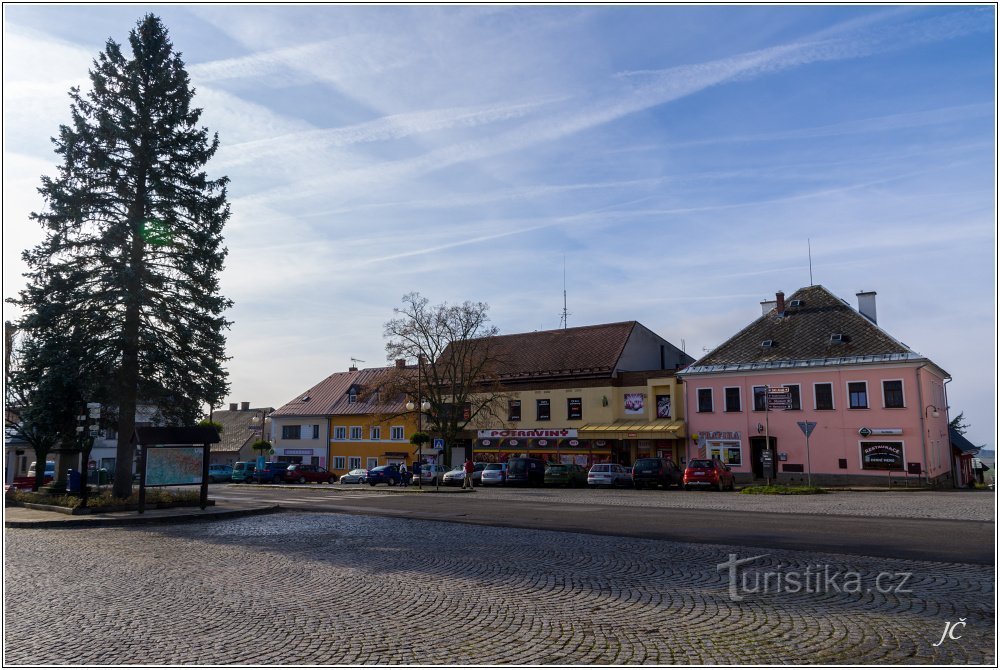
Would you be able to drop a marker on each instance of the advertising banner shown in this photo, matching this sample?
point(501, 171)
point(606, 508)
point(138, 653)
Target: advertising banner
point(171, 466)
point(882, 456)
point(635, 403)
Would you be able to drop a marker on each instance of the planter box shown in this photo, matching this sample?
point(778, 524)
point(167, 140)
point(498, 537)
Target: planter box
point(75, 511)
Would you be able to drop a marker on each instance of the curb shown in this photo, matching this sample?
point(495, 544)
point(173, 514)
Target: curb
point(138, 519)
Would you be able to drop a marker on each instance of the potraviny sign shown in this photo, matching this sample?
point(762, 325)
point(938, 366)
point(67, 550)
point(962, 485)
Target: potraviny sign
point(498, 433)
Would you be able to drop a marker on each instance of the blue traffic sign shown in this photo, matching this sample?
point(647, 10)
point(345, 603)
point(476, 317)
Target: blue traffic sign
point(807, 427)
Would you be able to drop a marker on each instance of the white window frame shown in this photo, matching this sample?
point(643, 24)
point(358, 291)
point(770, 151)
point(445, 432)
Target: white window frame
point(739, 400)
point(339, 462)
point(353, 462)
point(375, 433)
point(340, 432)
point(753, 397)
point(397, 433)
point(289, 426)
point(372, 462)
point(833, 397)
point(315, 428)
point(902, 391)
point(799, 387)
point(356, 433)
point(697, 400)
point(847, 388)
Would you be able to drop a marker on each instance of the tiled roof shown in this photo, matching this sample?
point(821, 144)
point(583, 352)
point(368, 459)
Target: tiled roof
point(804, 333)
point(583, 350)
point(960, 442)
point(238, 427)
point(330, 396)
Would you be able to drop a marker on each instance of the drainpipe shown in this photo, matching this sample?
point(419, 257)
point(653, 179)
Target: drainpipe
point(923, 427)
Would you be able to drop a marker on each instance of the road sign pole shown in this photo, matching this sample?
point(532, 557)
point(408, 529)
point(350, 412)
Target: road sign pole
point(767, 444)
point(809, 467)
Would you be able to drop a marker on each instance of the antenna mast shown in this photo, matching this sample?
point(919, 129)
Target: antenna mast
point(809, 242)
point(564, 320)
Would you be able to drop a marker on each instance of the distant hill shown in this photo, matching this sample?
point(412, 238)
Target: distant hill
point(987, 455)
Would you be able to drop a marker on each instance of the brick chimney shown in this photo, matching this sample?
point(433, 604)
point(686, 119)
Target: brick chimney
point(244, 406)
point(232, 407)
point(400, 363)
point(779, 298)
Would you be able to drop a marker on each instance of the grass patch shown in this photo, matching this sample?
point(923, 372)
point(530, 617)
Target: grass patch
point(776, 490)
point(106, 500)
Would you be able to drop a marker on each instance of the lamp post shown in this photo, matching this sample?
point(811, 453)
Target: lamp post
point(263, 417)
point(424, 406)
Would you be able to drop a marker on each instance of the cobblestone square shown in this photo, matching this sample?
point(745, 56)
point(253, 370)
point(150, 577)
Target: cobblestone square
point(300, 588)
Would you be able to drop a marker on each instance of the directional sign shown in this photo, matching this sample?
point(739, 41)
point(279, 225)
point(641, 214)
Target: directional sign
point(807, 427)
point(778, 390)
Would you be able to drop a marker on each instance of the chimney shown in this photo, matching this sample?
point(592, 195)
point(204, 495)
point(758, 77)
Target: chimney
point(779, 298)
point(400, 363)
point(766, 306)
point(866, 305)
point(353, 368)
point(232, 407)
point(244, 406)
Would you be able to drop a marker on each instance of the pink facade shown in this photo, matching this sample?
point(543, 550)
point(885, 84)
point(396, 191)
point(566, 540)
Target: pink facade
point(894, 403)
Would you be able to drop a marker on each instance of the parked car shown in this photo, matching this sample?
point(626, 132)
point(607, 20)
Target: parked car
point(300, 473)
point(271, 473)
point(649, 473)
point(456, 475)
point(243, 471)
point(609, 474)
point(356, 476)
point(27, 482)
point(494, 474)
point(429, 474)
point(565, 474)
point(220, 473)
point(710, 473)
point(384, 474)
point(526, 470)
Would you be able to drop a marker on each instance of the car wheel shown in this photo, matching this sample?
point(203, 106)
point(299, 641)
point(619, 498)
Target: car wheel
point(392, 482)
point(302, 480)
point(372, 484)
point(719, 486)
point(330, 480)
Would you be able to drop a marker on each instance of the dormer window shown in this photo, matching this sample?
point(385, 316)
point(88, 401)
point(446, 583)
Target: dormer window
point(838, 338)
point(795, 304)
point(352, 398)
point(767, 344)
point(306, 398)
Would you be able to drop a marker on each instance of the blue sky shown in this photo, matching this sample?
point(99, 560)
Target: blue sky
point(677, 158)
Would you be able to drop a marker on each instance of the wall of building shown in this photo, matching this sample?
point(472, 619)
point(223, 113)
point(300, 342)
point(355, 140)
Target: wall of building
point(836, 445)
point(371, 449)
point(311, 446)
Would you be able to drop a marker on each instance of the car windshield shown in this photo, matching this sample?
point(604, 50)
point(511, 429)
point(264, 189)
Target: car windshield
point(558, 468)
point(601, 468)
point(699, 464)
point(492, 466)
point(647, 463)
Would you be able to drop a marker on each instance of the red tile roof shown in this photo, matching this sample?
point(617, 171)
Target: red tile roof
point(330, 396)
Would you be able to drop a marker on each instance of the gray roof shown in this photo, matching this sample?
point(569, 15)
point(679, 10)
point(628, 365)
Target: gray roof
point(238, 427)
point(803, 336)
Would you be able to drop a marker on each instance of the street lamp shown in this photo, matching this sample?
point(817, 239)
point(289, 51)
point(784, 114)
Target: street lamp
point(934, 411)
point(424, 406)
point(262, 415)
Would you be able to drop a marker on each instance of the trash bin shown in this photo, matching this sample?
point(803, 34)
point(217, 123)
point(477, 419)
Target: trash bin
point(73, 481)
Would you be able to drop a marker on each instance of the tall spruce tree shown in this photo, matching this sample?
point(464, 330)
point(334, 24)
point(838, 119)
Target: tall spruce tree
point(133, 240)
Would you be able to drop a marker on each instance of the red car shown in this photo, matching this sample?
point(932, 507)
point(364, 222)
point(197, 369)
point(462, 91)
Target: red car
point(300, 473)
point(709, 472)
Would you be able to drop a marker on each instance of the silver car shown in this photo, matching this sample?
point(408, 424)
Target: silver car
point(609, 474)
point(494, 474)
point(356, 476)
point(429, 474)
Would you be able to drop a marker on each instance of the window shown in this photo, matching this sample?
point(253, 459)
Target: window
point(543, 407)
point(396, 433)
point(824, 396)
point(857, 395)
point(795, 395)
point(760, 398)
point(513, 410)
point(704, 400)
point(574, 409)
point(315, 431)
point(355, 432)
point(339, 462)
point(375, 433)
point(372, 462)
point(291, 432)
point(892, 393)
point(340, 432)
point(354, 462)
point(733, 399)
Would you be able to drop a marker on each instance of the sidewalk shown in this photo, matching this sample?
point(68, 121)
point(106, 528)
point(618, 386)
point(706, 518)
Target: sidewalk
point(22, 517)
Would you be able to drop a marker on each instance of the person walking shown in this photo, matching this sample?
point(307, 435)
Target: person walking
point(470, 467)
point(403, 475)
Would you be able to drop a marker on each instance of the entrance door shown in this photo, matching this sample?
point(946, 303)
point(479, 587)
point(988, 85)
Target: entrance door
point(756, 449)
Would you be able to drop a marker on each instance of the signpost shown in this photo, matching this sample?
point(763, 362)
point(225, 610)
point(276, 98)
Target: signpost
point(807, 429)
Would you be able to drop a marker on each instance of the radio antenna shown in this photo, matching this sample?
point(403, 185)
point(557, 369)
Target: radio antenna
point(809, 242)
point(564, 321)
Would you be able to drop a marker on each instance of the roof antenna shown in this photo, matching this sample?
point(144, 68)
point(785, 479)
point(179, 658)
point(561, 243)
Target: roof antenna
point(564, 320)
point(809, 242)
point(355, 361)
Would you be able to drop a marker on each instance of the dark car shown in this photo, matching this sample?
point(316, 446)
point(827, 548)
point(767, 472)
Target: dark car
point(529, 471)
point(218, 472)
point(300, 473)
point(649, 473)
point(271, 473)
point(710, 473)
point(384, 474)
point(565, 474)
point(243, 471)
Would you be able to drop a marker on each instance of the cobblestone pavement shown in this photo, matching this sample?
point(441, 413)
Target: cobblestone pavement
point(333, 589)
point(967, 505)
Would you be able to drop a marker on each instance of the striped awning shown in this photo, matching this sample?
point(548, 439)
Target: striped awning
point(619, 430)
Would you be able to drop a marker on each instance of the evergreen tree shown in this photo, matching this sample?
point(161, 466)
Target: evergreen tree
point(133, 240)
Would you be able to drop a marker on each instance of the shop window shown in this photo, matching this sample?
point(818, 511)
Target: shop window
point(824, 395)
point(892, 393)
point(730, 454)
point(513, 410)
point(574, 409)
point(543, 407)
point(857, 395)
point(733, 399)
point(704, 400)
point(291, 432)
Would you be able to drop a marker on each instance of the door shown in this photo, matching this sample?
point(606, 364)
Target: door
point(756, 451)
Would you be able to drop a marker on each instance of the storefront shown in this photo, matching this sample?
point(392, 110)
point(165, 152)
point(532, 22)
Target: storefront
point(554, 446)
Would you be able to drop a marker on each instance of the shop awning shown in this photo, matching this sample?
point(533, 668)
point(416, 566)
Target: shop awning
point(623, 430)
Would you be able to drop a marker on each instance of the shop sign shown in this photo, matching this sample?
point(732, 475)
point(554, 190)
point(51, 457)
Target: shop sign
point(882, 456)
point(717, 435)
point(543, 443)
point(574, 443)
point(298, 452)
point(635, 403)
point(487, 443)
point(527, 434)
point(662, 407)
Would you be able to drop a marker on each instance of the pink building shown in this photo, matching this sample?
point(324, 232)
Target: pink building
point(875, 410)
